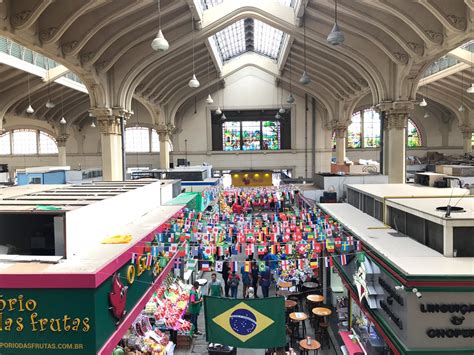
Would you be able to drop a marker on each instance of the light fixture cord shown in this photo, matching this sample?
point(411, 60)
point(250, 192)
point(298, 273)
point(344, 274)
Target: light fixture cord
point(159, 15)
point(208, 75)
point(62, 101)
point(289, 62)
point(304, 42)
point(335, 13)
point(462, 87)
point(29, 94)
point(192, 31)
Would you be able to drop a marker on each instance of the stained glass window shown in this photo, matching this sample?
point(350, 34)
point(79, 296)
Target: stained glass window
point(354, 131)
point(47, 145)
point(371, 121)
point(231, 135)
point(251, 135)
point(5, 147)
point(270, 135)
point(413, 135)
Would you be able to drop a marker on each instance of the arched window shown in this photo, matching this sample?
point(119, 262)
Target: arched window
point(27, 142)
point(413, 135)
point(141, 140)
point(364, 130)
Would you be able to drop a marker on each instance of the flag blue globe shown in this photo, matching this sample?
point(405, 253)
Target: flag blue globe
point(243, 322)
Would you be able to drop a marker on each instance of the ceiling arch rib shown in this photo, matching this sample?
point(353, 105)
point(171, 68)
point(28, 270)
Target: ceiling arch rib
point(24, 17)
point(452, 22)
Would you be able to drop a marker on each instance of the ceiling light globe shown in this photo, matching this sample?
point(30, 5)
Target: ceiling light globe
point(423, 103)
point(336, 36)
point(194, 83)
point(223, 116)
point(209, 99)
point(62, 120)
point(50, 104)
point(281, 110)
point(290, 99)
point(30, 109)
point(305, 79)
point(470, 89)
point(93, 125)
point(461, 108)
point(159, 43)
point(277, 116)
point(426, 115)
point(218, 111)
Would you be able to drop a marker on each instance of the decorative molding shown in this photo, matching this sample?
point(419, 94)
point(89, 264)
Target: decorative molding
point(340, 131)
point(401, 57)
point(87, 57)
point(397, 119)
point(434, 36)
point(47, 35)
point(457, 22)
point(109, 126)
point(68, 47)
point(20, 18)
point(416, 47)
point(61, 140)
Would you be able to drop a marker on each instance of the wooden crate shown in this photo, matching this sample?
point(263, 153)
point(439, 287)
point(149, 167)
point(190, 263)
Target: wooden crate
point(183, 341)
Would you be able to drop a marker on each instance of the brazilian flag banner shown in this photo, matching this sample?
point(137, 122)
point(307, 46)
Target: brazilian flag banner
point(245, 323)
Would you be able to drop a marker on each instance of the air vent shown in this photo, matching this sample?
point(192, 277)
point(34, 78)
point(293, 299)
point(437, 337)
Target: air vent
point(451, 209)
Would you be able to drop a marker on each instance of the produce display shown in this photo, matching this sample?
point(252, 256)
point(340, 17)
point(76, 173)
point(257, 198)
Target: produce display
point(142, 338)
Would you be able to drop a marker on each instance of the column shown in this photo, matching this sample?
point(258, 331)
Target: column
point(62, 140)
point(164, 132)
point(340, 132)
point(466, 139)
point(396, 116)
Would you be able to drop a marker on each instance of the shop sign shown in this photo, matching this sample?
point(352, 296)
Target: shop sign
point(456, 313)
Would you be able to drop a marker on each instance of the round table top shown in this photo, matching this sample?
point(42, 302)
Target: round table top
point(315, 298)
point(284, 293)
point(298, 316)
point(322, 311)
point(285, 284)
point(310, 285)
point(290, 303)
point(315, 345)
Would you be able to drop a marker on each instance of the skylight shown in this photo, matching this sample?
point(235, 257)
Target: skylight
point(207, 4)
point(249, 35)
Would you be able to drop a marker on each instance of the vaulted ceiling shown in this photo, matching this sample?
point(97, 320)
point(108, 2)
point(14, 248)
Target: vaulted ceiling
point(388, 44)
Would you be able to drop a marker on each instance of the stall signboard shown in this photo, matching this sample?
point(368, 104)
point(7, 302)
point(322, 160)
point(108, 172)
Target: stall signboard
point(70, 321)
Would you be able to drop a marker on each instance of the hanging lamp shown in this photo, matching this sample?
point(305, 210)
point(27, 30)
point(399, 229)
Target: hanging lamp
point(461, 107)
point(218, 111)
point(281, 110)
point(305, 79)
point(278, 116)
point(49, 104)
point(470, 89)
point(62, 120)
point(223, 117)
point(336, 36)
point(159, 43)
point(93, 124)
point(209, 99)
point(426, 115)
point(290, 99)
point(29, 109)
point(193, 83)
point(423, 103)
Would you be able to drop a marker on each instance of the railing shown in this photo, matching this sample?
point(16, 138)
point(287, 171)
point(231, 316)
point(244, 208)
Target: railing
point(27, 55)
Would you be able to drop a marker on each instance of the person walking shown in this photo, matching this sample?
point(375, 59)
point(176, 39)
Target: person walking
point(265, 280)
point(225, 277)
point(214, 287)
point(234, 281)
point(254, 272)
point(195, 303)
point(246, 280)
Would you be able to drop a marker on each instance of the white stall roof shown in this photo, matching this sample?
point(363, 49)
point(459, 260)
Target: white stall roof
point(413, 258)
point(382, 191)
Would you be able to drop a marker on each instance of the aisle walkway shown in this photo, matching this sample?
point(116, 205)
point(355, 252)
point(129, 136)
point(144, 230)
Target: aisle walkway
point(199, 345)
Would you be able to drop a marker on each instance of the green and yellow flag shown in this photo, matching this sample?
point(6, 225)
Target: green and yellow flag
point(246, 323)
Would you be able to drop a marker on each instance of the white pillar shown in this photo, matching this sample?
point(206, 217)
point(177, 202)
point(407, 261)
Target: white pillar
point(111, 144)
point(467, 140)
point(340, 133)
point(164, 132)
point(397, 124)
point(62, 140)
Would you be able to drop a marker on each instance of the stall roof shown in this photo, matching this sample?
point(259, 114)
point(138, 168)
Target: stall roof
point(381, 191)
point(411, 257)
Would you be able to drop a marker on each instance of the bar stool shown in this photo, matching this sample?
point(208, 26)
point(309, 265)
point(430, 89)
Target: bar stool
point(290, 306)
point(320, 314)
point(313, 301)
point(297, 318)
point(324, 335)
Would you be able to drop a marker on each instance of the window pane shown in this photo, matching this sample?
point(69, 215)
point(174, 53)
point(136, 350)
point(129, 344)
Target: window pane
point(231, 135)
point(137, 140)
point(251, 135)
point(271, 135)
point(24, 141)
point(155, 141)
point(354, 131)
point(267, 39)
point(5, 144)
point(47, 145)
point(413, 135)
point(371, 129)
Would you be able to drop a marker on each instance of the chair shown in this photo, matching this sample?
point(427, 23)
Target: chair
point(323, 333)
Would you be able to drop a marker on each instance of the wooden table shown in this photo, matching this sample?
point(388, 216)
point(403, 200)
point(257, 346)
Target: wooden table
point(285, 284)
point(284, 293)
point(310, 285)
point(322, 311)
point(298, 316)
point(290, 304)
point(315, 345)
point(315, 298)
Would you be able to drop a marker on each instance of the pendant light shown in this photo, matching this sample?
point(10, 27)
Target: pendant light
point(223, 117)
point(159, 43)
point(29, 109)
point(423, 103)
point(193, 83)
point(278, 116)
point(426, 115)
point(461, 107)
point(281, 110)
point(305, 79)
point(290, 99)
point(336, 36)
point(92, 124)
point(470, 89)
point(218, 111)
point(49, 104)
point(62, 120)
point(209, 99)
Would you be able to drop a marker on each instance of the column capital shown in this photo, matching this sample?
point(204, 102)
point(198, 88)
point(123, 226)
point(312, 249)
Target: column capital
point(466, 131)
point(340, 131)
point(121, 112)
point(101, 113)
point(61, 140)
point(397, 106)
point(109, 125)
point(165, 131)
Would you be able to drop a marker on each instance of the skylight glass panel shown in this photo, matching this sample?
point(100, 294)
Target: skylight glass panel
point(231, 40)
point(267, 39)
point(207, 4)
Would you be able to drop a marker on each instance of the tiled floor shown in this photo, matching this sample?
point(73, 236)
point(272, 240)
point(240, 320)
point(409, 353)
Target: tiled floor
point(199, 345)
